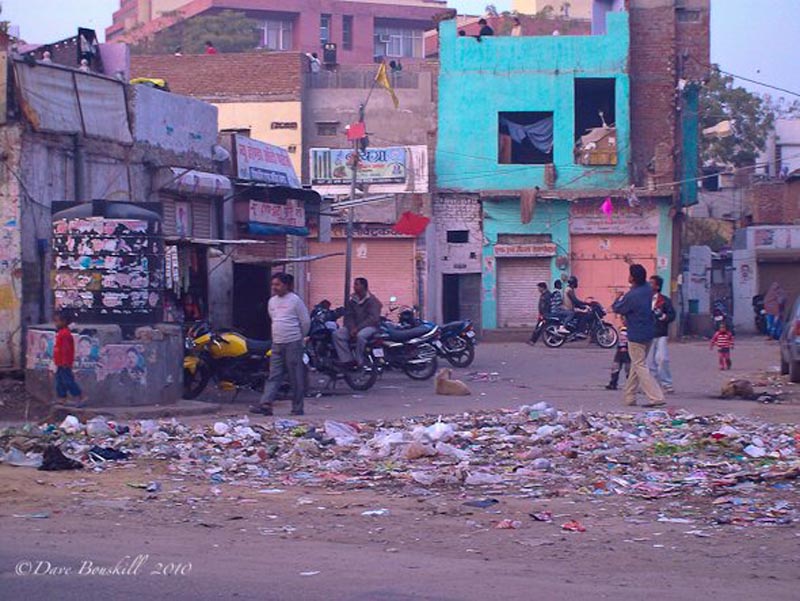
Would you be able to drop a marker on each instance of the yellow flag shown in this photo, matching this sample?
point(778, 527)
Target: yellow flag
point(382, 79)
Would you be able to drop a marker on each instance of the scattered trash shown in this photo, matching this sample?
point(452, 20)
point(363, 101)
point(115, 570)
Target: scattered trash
point(343, 434)
point(573, 526)
point(33, 516)
point(54, 460)
point(314, 573)
point(375, 512)
point(481, 503)
point(71, 424)
point(106, 454)
point(482, 478)
point(17, 458)
point(508, 525)
point(542, 516)
point(153, 487)
point(98, 426)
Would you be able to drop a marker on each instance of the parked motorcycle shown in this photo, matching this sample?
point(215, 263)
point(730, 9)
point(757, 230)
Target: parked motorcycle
point(456, 342)
point(227, 357)
point(407, 348)
point(760, 314)
point(320, 355)
point(594, 328)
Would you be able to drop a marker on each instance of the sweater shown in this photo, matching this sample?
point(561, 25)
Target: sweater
point(290, 319)
point(636, 307)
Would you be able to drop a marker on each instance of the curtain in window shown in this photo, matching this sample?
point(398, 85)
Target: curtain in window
point(540, 133)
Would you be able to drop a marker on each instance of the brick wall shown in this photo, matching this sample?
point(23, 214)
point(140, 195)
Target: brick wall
point(774, 203)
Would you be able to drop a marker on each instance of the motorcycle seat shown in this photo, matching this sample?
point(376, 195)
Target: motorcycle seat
point(258, 347)
point(404, 334)
point(452, 326)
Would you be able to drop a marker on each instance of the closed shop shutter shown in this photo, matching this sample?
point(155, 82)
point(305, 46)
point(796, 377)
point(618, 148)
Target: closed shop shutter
point(517, 294)
point(387, 264)
point(601, 264)
point(168, 215)
point(787, 274)
point(201, 218)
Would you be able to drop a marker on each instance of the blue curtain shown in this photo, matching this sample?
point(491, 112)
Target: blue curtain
point(540, 133)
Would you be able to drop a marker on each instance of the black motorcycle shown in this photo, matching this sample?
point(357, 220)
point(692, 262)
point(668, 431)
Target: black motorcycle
point(409, 349)
point(551, 329)
point(320, 355)
point(760, 314)
point(456, 341)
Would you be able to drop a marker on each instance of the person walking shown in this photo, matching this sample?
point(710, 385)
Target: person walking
point(658, 355)
point(723, 340)
point(544, 307)
point(290, 325)
point(64, 359)
point(622, 360)
point(636, 308)
point(362, 318)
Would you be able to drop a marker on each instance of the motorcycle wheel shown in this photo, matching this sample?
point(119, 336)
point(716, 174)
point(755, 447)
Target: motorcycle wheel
point(363, 378)
point(606, 335)
point(552, 338)
point(423, 371)
point(195, 383)
point(459, 352)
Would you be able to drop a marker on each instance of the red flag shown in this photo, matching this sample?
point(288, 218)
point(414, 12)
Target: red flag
point(411, 224)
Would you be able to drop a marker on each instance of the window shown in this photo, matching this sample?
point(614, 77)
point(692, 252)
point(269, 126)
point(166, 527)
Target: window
point(398, 42)
point(242, 131)
point(595, 116)
point(525, 138)
point(327, 128)
point(277, 35)
point(324, 29)
point(347, 32)
point(457, 236)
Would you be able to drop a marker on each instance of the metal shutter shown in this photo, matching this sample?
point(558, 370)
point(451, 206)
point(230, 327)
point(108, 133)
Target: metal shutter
point(517, 295)
point(168, 215)
point(201, 219)
point(388, 265)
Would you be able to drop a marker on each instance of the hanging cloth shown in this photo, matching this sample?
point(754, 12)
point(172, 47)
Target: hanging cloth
point(527, 205)
point(539, 134)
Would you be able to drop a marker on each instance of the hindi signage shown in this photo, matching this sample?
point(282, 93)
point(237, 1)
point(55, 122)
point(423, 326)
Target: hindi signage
point(262, 162)
point(541, 249)
point(333, 166)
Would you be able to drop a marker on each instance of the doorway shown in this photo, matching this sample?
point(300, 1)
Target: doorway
point(461, 298)
point(250, 298)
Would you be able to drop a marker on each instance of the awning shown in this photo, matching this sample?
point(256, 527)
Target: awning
point(191, 181)
point(306, 195)
point(285, 260)
point(214, 241)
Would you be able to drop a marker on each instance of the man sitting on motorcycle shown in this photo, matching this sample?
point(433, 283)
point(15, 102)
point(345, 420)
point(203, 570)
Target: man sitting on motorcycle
point(362, 317)
point(578, 309)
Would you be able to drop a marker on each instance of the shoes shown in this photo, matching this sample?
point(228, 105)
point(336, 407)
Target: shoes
point(611, 387)
point(668, 389)
point(630, 403)
point(654, 404)
point(530, 343)
point(562, 330)
point(260, 409)
point(293, 412)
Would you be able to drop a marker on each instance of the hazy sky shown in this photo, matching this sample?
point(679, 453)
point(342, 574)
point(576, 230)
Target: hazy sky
point(755, 39)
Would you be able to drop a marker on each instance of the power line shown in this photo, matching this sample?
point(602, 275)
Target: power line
point(743, 78)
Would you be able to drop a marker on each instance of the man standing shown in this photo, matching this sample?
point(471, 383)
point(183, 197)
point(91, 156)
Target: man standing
point(544, 307)
point(290, 324)
point(362, 317)
point(658, 355)
point(637, 308)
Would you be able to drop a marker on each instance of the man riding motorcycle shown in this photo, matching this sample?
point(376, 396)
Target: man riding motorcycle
point(576, 309)
point(362, 318)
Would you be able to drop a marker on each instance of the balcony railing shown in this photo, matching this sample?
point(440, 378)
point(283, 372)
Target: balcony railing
point(360, 79)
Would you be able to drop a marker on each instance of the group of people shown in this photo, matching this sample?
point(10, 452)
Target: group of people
point(563, 303)
point(290, 326)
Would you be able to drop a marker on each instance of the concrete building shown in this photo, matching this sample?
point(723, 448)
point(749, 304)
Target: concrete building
point(536, 134)
point(782, 152)
point(576, 9)
point(137, 150)
point(360, 29)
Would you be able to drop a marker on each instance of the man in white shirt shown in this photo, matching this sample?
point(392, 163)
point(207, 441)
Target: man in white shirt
point(290, 324)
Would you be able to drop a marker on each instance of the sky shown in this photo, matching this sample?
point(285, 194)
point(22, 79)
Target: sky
point(754, 39)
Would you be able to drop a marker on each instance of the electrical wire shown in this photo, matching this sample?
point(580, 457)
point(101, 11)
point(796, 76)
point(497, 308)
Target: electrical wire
point(743, 78)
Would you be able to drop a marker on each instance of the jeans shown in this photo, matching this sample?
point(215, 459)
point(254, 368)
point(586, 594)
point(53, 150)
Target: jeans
point(640, 376)
point(287, 358)
point(658, 361)
point(341, 340)
point(66, 384)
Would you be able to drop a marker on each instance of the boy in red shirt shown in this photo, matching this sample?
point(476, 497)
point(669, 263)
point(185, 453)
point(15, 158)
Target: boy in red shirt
point(64, 358)
point(723, 340)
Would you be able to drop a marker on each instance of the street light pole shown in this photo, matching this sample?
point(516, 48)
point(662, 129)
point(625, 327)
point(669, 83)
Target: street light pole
point(348, 264)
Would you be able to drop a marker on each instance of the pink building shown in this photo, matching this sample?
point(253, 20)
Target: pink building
point(361, 30)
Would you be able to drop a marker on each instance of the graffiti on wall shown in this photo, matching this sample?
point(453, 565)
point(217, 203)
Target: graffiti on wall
point(126, 361)
point(10, 255)
point(40, 344)
point(107, 267)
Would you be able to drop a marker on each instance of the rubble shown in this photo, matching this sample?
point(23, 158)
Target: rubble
point(747, 470)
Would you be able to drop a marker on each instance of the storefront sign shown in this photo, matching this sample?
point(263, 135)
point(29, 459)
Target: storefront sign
point(333, 166)
point(587, 218)
point(262, 162)
point(541, 249)
point(363, 230)
point(266, 212)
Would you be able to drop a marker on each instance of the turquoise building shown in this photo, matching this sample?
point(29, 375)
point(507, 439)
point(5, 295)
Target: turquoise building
point(536, 132)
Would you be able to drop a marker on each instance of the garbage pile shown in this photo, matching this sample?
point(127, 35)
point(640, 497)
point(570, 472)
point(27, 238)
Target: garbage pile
point(747, 470)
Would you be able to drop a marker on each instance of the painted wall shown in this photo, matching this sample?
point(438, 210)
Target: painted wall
point(258, 117)
point(503, 217)
point(10, 250)
point(478, 80)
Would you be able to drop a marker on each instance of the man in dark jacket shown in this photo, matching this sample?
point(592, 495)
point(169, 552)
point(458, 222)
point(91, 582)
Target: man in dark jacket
point(658, 355)
point(545, 298)
point(637, 308)
point(362, 318)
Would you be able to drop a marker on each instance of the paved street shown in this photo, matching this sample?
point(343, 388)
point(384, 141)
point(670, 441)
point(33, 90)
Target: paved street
point(312, 542)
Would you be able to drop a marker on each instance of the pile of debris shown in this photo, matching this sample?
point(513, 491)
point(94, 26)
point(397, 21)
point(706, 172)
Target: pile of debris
point(748, 470)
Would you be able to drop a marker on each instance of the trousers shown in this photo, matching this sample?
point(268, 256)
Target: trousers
point(286, 360)
point(341, 340)
point(66, 384)
point(658, 361)
point(640, 377)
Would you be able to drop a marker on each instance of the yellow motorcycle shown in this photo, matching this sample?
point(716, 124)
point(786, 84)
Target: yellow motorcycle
point(229, 358)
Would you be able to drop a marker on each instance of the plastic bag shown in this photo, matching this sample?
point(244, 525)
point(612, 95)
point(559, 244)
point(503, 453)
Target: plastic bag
point(482, 478)
point(343, 434)
point(449, 450)
point(71, 424)
point(440, 432)
point(98, 426)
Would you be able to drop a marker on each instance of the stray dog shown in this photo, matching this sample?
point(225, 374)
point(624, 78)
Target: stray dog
point(447, 386)
point(741, 389)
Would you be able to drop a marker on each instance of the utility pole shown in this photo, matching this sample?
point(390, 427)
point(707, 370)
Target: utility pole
point(348, 261)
